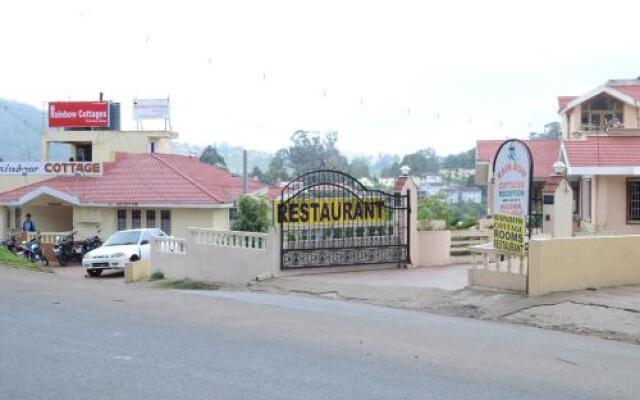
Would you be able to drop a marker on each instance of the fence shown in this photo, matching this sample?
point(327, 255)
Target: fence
point(217, 256)
point(462, 243)
point(497, 270)
point(48, 237)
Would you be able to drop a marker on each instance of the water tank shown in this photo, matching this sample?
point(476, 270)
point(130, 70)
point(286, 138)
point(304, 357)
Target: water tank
point(114, 116)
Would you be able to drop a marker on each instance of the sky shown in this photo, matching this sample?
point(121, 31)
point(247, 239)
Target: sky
point(390, 77)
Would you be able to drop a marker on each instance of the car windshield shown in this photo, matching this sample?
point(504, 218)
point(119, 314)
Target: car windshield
point(123, 238)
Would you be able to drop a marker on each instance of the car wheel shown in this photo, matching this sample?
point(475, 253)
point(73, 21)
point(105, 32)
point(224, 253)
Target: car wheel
point(134, 258)
point(94, 272)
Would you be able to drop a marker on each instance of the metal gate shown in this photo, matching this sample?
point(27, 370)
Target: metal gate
point(328, 218)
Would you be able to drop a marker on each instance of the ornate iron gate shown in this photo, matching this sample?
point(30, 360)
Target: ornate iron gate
point(328, 218)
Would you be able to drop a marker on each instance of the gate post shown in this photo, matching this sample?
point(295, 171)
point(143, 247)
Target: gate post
point(405, 185)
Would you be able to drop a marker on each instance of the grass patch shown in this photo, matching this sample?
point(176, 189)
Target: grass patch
point(188, 284)
point(12, 260)
point(157, 276)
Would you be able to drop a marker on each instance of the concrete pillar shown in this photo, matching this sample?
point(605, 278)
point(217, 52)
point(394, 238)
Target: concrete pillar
point(406, 185)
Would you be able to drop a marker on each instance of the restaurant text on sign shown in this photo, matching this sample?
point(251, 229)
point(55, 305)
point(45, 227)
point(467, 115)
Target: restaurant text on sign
point(327, 211)
point(509, 234)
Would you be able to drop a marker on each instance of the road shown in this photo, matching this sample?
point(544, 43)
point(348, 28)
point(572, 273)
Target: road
point(96, 339)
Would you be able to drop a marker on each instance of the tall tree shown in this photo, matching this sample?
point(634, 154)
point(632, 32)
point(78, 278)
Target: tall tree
point(311, 150)
point(359, 167)
point(422, 162)
point(551, 131)
point(256, 173)
point(277, 168)
point(211, 156)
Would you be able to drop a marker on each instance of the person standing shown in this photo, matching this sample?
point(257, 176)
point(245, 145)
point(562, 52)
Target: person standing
point(28, 225)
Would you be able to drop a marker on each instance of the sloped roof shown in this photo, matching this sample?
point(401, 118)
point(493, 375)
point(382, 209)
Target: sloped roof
point(627, 91)
point(564, 100)
point(610, 151)
point(552, 184)
point(147, 179)
point(544, 153)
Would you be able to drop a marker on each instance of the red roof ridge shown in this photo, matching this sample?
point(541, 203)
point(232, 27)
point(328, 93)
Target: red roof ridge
point(189, 179)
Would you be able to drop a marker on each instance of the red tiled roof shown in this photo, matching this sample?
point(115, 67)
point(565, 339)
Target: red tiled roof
point(544, 153)
point(613, 151)
point(564, 100)
point(632, 91)
point(148, 179)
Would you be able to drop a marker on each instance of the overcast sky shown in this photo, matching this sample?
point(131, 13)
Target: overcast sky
point(389, 76)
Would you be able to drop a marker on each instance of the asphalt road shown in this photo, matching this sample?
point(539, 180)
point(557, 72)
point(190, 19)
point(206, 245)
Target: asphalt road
point(96, 339)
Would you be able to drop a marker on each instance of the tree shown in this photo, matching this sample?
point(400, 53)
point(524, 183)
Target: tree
point(359, 168)
point(391, 171)
point(253, 214)
point(277, 168)
point(421, 162)
point(256, 173)
point(551, 131)
point(311, 150)
point(210, 156)
point(435, 208)
point(465, 159)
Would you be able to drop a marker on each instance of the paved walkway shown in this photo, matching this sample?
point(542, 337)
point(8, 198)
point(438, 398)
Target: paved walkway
point(452, 277)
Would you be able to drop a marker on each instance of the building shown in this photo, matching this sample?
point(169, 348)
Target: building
point(118, 180)
point(601, 149)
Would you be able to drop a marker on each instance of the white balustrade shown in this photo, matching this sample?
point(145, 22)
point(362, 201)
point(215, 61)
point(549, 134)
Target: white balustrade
point(169, 245)
point(48, 237)
point(492, 260)
point(230, 239)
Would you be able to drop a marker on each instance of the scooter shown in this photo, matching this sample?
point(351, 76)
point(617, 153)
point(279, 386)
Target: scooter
point(64, 249)
point(85, 246)
point(32, 251)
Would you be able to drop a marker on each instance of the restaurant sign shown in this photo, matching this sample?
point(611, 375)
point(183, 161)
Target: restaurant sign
point(52, 168)
point(509, 234)
point(512, 176)
point(330, 211)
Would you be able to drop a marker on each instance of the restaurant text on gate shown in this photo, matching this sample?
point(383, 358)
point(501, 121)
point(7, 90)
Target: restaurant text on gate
point(330, 210)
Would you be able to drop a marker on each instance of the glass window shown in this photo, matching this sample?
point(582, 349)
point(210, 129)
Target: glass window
point(136, 219)
point(633, 200)
point(151, 218)
point(123, 238)
point(165, 221)
point(122, 220)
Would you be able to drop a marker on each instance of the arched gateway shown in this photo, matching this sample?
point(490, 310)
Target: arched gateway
point(328, 218)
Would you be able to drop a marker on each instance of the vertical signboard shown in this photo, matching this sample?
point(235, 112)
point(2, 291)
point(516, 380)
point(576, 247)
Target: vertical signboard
point(512, 176)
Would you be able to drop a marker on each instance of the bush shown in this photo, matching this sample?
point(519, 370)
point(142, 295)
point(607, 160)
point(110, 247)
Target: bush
point(157, 276)
point(253, 214)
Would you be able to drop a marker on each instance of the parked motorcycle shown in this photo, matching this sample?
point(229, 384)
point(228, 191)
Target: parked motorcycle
point(64, 249)
point(32, 251)
point(10, 242)
point(83, 247)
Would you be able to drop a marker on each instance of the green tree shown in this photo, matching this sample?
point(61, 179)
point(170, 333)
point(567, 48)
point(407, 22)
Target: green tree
point(434, 208)
point(391, 171)
point(311, 150)
point(359, 167)
point(211, 156)
point(422, 162)
point(277, 168)
point(253, 214)
point(551, 131)
point(465, 159)
point(256, 173)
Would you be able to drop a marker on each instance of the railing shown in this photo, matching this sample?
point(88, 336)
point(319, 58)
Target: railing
point(48, 237)
point(230, 239)
point(462, 243)
point(169, 245)
point(494, 261)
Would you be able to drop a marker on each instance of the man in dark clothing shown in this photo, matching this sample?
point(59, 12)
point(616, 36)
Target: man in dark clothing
point(28, 225)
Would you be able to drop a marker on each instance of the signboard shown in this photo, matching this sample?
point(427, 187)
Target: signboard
point(79, 114)
point(330, 211)
point(509, 234)
point(16, 168)
point(512, 174)
point(151, 109)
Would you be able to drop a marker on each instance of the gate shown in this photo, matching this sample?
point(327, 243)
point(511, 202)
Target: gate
point(328, 218)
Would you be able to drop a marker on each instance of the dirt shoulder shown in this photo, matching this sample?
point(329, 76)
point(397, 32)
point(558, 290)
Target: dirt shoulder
point(612, 313)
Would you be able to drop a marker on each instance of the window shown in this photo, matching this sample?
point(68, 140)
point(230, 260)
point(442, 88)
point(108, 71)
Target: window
point(122, 220)
point(136, 219)
point(633, 200)
point(585, 200)
point(165, 221)
point(151, 218)
point(600, 111)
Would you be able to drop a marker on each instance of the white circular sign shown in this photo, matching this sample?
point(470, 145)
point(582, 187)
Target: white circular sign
point(512, 179)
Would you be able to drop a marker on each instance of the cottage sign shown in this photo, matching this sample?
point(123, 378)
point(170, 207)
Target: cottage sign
point(512, 174)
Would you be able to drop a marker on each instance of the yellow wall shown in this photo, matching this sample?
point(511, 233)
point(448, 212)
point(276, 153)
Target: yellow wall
point(183, 218)
point(50, 218)
point(106, 143)
point(578, 263)
point(609, 207)
point(575, 123)
point(630, 117)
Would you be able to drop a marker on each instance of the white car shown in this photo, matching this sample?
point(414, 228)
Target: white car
point(121, 248)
